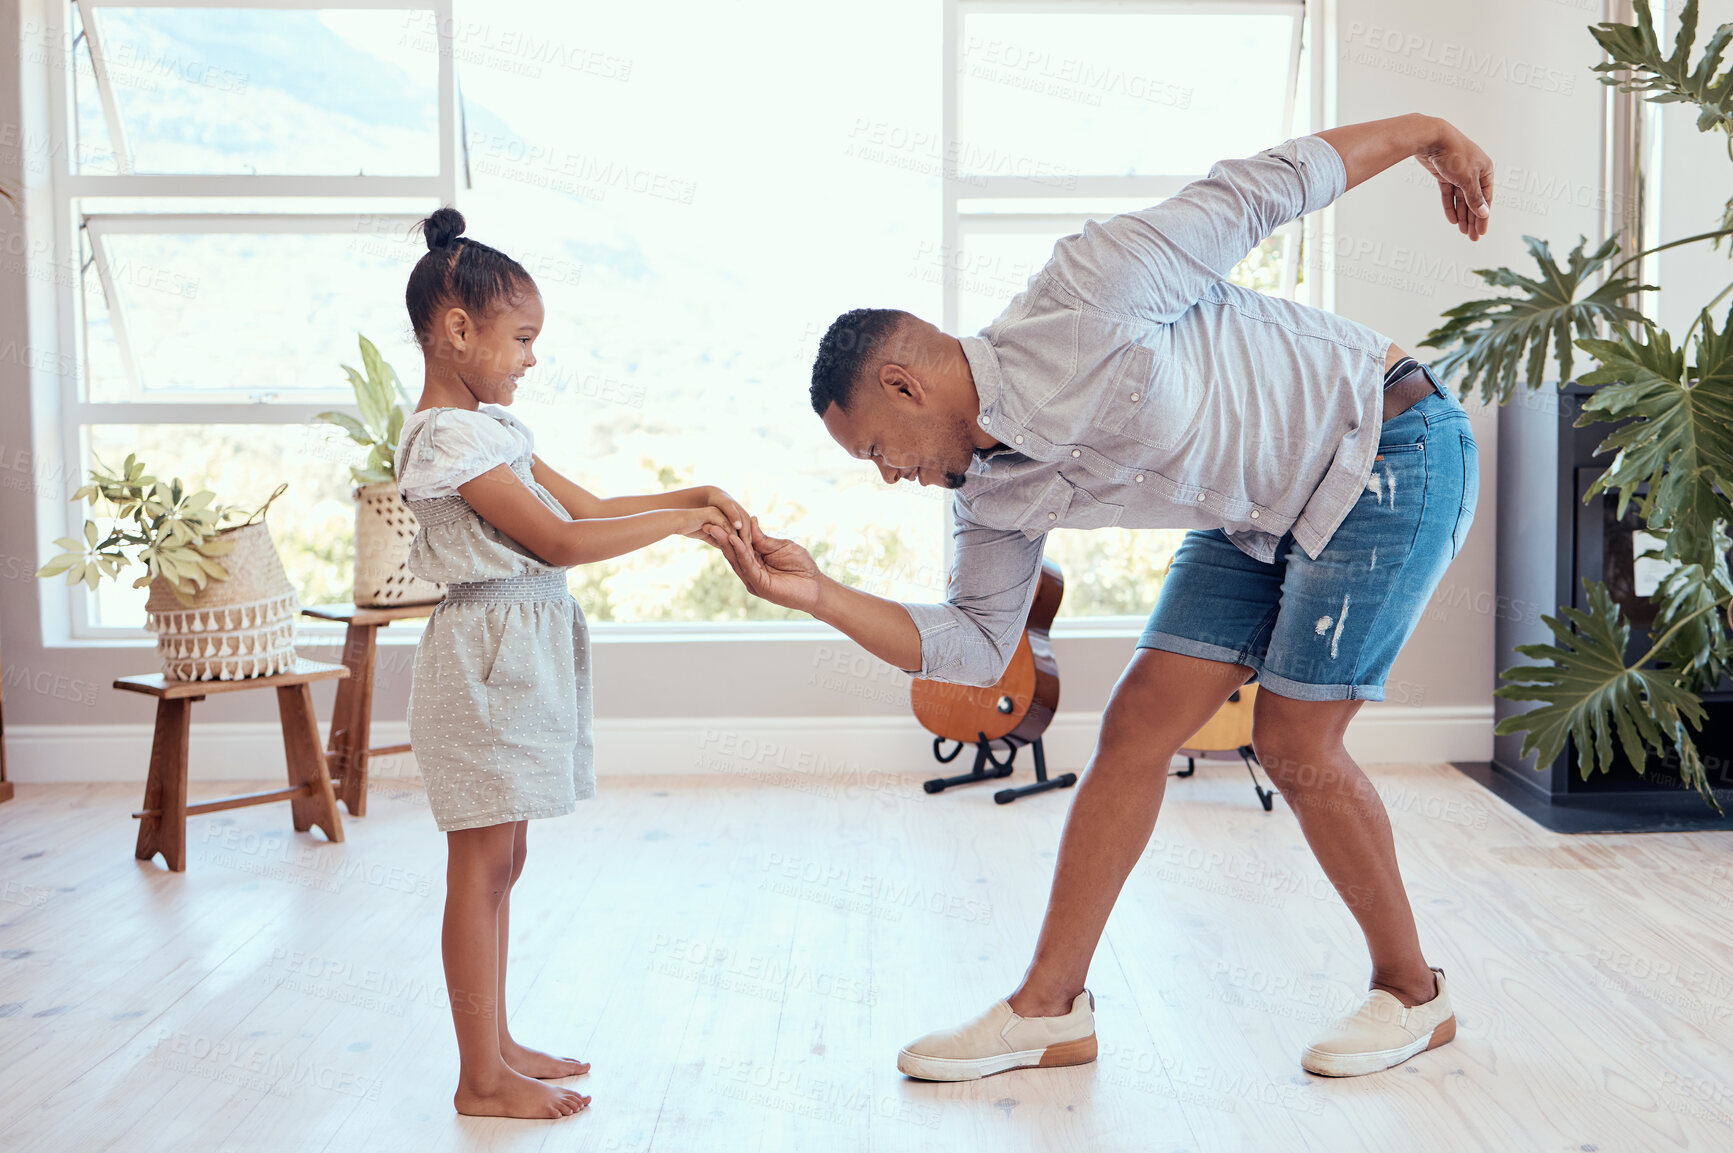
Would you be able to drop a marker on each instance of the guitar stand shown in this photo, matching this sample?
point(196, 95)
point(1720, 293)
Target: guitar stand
point(984, 757)
point(1266, 797)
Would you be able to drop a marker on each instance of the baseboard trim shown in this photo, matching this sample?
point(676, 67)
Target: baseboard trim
point(741, 746)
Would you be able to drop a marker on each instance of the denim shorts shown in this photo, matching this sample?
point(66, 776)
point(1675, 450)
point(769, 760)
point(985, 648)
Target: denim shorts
point(1329, 629)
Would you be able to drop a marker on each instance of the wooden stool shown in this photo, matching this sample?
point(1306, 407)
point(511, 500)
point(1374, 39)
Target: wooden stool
point(163, 820)
point(352, 718)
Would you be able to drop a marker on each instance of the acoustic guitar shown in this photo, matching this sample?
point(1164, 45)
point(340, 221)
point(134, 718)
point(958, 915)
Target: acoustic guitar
point(1014, 711)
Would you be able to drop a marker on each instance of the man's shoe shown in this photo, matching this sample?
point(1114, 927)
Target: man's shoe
point(1381, 1033)
point(999, 1039)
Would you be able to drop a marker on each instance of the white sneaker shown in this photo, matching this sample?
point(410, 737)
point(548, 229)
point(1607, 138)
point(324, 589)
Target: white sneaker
point(1381, 1033)
point(999, 1040)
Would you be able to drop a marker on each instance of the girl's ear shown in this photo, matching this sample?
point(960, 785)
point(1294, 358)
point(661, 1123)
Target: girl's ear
point(457, 327)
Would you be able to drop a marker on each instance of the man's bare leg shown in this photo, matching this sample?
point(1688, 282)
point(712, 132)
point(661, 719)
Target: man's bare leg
point(1161, 700)
point(1299, 743)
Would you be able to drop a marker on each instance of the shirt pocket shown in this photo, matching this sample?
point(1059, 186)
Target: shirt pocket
point(1064, 504)
point(1149, 399)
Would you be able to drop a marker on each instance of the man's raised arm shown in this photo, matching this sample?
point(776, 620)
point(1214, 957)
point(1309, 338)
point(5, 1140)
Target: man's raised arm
point(1156, 263)
point(1463, 171)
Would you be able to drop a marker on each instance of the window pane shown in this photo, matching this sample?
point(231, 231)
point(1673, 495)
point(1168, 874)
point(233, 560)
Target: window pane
point(259, 313)
point(208, 91)
point(95, 152)
point(312, 524)
point(688, 275)
point(1114, 571)
point(1108, 94)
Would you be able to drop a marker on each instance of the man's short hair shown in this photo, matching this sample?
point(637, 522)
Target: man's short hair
point(853, 346)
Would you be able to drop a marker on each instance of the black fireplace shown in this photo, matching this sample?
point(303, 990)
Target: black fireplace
point(1549, 542)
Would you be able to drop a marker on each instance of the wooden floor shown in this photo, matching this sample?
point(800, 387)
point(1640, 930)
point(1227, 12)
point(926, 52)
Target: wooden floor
point(741, 957)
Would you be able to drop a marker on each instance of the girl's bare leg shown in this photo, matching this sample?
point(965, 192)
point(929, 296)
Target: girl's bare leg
point(529, 1062)
point(477, 878)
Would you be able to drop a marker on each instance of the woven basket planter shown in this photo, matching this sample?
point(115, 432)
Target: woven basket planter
point(384, 526)
point(236, 628)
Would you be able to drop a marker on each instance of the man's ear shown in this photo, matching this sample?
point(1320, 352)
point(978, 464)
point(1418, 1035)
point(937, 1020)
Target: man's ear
point(901, 383)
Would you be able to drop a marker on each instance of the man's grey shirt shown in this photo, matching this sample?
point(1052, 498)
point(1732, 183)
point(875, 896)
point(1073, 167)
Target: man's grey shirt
point(1132, 385)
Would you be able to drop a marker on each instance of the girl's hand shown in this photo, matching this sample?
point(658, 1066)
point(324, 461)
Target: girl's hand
point(737, 515)
point(705, 524)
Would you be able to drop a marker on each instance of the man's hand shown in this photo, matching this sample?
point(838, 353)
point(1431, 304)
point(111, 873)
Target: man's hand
point(1464, 175)
point(1463, 171)
point(774, 569)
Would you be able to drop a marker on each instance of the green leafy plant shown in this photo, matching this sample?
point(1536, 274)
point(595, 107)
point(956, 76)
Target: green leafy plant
point(1496, 337)
point(384, 405)
point(1672, 450)
point(171, 531)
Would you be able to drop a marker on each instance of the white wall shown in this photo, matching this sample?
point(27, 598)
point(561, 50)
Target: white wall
point(1515, 77)
point(1514, 74)
point(1696, 180)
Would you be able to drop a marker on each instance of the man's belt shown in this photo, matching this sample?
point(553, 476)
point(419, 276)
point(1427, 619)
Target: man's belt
point(1405, 385)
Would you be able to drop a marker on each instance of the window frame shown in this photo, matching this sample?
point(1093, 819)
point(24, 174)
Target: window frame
point(66, 612)
point(1309, 70)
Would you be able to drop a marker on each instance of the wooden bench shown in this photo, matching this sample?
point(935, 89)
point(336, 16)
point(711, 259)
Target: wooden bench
point(163, 820)
point(352, 718)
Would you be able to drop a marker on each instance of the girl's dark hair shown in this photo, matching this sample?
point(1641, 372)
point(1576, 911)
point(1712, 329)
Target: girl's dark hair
point(458, 271)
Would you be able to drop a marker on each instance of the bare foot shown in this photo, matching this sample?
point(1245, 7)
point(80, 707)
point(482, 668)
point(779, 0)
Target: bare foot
point(535, 1063)
point(514, 1095)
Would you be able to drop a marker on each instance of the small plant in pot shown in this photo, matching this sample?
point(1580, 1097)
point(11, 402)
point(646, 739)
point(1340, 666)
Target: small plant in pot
point(384, 526)
point(220, 604)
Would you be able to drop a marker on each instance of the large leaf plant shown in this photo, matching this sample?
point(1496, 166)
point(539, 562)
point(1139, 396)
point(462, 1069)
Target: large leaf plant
point(1672, 450)
point(383, 404)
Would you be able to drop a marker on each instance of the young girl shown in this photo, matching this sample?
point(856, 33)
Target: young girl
point(499, 711)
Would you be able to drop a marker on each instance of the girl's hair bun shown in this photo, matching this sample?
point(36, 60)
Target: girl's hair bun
point(443, 227)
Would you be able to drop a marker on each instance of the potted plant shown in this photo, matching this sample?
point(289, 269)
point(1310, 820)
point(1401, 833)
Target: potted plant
point(1672, 450)
point(220, 604)
point(384, 526)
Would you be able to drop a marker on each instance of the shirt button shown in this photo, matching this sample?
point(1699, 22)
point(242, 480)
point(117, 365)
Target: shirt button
point(985, 420)
point(1201, 497)
point(1052, 516)
point(1134, 397)
point(1254, 514)
point(1076, 452)
point(1138, 478)
point(1019, 440)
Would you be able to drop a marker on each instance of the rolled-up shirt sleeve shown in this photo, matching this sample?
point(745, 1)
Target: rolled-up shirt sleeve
point(1158, 262)
point(969, 639)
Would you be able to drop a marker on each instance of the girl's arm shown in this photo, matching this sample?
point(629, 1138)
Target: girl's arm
point(585, 505)
point(503, 501)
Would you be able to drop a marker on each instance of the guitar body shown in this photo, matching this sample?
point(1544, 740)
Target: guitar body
point(1019, 707)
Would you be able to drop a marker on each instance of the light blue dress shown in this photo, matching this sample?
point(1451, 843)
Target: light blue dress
point(500, 710)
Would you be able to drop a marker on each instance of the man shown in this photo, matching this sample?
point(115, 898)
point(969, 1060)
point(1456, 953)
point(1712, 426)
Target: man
point(1328, 481)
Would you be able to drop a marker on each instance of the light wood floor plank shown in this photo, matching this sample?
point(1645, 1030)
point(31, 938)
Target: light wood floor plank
point(742, 955)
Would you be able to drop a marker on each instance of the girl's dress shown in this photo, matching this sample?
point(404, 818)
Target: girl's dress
point(500, 708)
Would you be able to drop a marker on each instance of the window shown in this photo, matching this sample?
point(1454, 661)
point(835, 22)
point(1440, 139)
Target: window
point(696, 208)
point(1062, 112)
point(235, 198)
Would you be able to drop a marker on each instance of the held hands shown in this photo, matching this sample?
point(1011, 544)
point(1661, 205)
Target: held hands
point(736, 515)
point(1464, 175)
point(706, 524)
point(776, 570)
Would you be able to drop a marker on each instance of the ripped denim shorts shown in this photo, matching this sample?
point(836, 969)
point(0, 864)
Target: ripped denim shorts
point(1329, 629)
